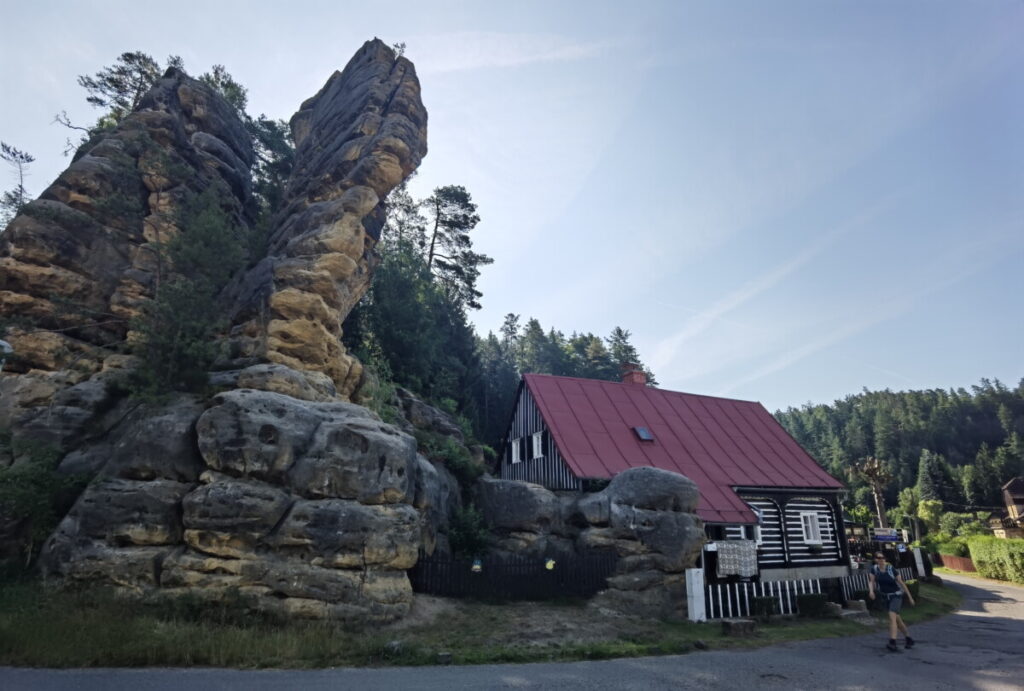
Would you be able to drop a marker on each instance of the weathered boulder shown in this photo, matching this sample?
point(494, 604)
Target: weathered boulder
point(142, 441)
point(306, 386)
point(318, 450)
point(126, 512)
point(230, 517)
point(346, 534)
point(514, 505)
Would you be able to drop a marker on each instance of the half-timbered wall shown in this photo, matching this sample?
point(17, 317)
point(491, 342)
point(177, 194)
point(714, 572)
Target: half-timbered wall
point(800, 552)
point(772, 551)
point(547, 469)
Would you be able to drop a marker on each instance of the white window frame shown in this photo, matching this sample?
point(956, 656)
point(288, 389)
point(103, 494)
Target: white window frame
point(538, 444)
point(810, 524)
point(517, 456)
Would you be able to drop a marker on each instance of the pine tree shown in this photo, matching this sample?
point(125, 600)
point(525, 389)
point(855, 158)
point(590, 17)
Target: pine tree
point(13, 200)
point(450, 257)
point(933, 482)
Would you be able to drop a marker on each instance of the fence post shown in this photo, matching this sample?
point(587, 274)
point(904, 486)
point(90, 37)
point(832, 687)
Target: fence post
point(695, 595)
point(921, 573)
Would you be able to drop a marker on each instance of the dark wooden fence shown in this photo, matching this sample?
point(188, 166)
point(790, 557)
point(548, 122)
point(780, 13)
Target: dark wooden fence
point(514, 577)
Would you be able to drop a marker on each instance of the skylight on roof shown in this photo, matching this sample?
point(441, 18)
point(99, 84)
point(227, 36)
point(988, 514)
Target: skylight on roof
point(643, 434)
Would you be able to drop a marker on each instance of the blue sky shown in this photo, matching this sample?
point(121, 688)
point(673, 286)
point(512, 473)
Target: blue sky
point(784, 202)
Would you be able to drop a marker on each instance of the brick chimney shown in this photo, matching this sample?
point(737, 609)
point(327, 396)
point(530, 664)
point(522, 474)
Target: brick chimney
point(633, 374)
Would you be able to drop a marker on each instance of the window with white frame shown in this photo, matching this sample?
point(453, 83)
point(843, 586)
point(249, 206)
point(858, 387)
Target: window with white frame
point(810, 521)
point(538, 444)
point(753, 532)
point(516, 446)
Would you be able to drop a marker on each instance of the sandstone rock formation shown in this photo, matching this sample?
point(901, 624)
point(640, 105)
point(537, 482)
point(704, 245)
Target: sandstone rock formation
point(356, 140)
point(79, 261)
point(314, 509)
point(645, 515)
point(278, 487)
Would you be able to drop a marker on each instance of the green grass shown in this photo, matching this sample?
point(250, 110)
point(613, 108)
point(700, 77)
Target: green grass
point(51, 628)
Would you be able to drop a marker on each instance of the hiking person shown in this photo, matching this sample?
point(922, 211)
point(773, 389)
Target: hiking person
point(891, 587)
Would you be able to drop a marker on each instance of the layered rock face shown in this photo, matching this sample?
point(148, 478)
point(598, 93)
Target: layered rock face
point(312, 509)
point(356, 140)
point(79, 262)
point(277, 488)
point(645, 515)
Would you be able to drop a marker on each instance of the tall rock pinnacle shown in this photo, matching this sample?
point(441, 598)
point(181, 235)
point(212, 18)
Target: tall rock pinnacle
point(361, 136)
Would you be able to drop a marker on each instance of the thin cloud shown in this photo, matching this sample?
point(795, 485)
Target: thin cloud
point(882, 312)
point(474, 50)
point(667, 349)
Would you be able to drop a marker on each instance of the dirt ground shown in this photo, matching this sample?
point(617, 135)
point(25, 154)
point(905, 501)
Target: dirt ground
point(521, 623)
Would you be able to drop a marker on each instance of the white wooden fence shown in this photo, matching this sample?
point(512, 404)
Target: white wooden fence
point(726, 600)
point(858, 580)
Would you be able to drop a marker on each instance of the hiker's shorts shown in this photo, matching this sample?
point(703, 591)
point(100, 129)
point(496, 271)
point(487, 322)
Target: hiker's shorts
point(895, 601)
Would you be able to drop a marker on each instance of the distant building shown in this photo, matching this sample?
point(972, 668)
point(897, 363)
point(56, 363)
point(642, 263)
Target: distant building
point(1012, 523)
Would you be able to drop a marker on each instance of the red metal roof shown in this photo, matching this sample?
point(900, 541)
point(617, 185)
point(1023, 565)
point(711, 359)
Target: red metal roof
point(719, 443)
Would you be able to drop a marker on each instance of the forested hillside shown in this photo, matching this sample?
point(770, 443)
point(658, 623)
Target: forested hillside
point(412, 329)
point(955, 446)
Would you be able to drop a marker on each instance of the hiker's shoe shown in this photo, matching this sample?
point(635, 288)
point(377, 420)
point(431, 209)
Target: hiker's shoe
point(892, 647)
point(909, 643)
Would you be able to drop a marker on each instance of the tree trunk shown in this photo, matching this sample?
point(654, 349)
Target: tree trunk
point(880, 507)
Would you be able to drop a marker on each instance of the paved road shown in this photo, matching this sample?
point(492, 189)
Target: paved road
point(981, 646)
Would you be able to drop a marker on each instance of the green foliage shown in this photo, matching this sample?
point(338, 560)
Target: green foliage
point(468, 532)
point(964, 523)
point(930, 511)
point(914, 586)
point(275, 157)
point(763, 607)
point(176, 336)
point(944, 543)
point(811, 604)
point(933, 478)
point(119, 87)
point(378, 391)
point(997, 558)
point(954, 427)
point(455, 457)
point(31, 489)
point(451, 216)
point(860, 513)
point(222, 82)
point(14, 199)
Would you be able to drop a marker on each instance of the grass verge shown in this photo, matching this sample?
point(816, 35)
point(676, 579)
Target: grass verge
point(50, 628)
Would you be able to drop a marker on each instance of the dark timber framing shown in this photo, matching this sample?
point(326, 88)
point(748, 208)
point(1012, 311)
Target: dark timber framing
point(548, 468)
point(783, 545)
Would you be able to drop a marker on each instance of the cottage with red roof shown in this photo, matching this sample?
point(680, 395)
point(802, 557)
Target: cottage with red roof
point(771, 512)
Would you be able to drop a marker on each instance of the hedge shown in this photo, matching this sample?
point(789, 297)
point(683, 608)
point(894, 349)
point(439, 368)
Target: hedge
point(997, 558)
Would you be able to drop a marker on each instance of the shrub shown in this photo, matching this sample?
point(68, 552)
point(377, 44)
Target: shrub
point(468, 531)
point(763, 607)
point(956, 547)
point(32, 491)
point(811, 604)
point(997, 558)
point(455, 457)
point(914, 586)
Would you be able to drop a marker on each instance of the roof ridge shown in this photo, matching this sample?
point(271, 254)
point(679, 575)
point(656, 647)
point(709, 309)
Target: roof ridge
point(640, 388)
